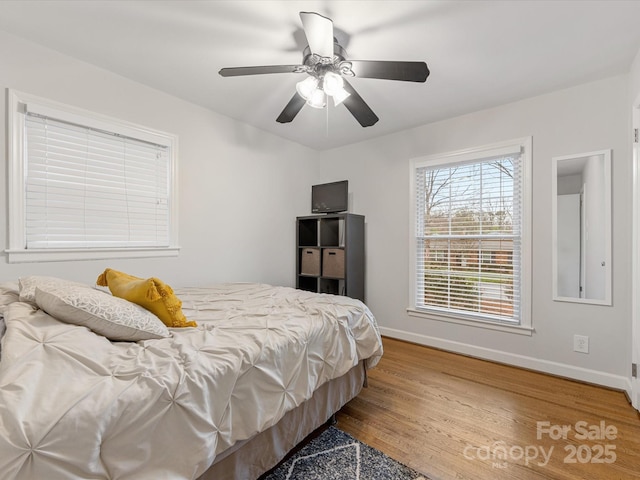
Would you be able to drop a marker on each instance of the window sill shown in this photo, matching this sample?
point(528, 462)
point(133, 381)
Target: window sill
point(26, 256)
point(479, 323)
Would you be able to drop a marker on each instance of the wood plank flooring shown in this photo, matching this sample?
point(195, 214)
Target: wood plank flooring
point(455, 417)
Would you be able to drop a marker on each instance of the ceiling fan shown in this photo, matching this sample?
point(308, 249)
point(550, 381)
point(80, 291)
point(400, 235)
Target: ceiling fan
point(324, 60)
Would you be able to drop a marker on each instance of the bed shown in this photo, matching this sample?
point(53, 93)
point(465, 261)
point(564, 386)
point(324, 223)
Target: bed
point(225, 399)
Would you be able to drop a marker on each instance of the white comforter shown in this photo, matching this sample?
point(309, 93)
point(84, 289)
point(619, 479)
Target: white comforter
point(74, 405)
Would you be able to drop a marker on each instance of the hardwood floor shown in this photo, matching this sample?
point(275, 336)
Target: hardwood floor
point(450, 416)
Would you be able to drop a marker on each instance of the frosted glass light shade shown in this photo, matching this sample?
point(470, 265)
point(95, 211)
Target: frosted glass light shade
point(332, 83)
point(306, 87)
point(340, 96)
point(317, 99)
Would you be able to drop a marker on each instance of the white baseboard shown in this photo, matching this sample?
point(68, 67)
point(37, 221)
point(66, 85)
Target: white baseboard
point(596, 377)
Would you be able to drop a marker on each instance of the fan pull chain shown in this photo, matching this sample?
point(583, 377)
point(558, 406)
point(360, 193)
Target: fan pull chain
point(327, 124)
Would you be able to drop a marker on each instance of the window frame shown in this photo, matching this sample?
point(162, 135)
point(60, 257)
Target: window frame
point(524, 327)
point(17, 251)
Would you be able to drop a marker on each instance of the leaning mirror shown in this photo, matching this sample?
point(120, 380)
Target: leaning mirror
point(581, 197)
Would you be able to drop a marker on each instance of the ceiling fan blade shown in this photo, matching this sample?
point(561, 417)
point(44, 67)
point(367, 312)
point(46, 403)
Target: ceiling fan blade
point(238, 71)
point(405, 71)
point(358, 107)
point(291, 110)
point(319, 33)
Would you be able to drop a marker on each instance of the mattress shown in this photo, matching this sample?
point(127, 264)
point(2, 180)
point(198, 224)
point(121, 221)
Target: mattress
point(74, 405)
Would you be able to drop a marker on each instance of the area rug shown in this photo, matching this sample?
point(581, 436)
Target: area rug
point(336, 455)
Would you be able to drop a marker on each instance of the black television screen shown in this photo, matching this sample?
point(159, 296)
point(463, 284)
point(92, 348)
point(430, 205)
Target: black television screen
point(330, 197)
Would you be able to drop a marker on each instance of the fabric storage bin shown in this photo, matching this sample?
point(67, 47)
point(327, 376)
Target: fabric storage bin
point(333, 262)
point(310, 261)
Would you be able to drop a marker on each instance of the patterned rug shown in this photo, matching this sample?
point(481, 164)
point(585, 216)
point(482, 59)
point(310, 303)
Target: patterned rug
point(336, 455)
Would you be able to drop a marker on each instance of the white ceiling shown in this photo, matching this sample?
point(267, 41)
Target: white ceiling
point(480, 53)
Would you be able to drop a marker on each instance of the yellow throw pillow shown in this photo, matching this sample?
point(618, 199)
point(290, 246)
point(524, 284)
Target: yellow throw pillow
point(150, 293)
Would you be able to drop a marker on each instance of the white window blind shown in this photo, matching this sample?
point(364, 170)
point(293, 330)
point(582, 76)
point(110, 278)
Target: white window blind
point(90, 188)
point(468, 235)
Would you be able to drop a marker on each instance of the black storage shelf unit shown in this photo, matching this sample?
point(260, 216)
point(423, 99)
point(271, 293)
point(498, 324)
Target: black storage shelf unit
point(330, 254)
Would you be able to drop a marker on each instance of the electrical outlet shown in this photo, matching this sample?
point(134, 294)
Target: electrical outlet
point(581, 343)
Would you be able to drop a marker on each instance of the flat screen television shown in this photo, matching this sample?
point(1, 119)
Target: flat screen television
point(330, 197)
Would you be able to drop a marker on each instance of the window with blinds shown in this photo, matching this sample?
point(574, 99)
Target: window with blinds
point(89, 184)
point(469, 235)
point(88, 188)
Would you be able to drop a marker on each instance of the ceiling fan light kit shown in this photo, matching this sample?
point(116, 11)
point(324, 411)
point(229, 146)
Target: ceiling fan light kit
point(315, 90)
point(324, 60)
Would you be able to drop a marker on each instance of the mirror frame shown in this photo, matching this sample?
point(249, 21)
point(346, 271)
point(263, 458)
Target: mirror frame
point(606, 154)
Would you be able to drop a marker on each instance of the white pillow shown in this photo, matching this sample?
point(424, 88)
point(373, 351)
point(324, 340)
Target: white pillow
point(113, 317)
point(28, 285)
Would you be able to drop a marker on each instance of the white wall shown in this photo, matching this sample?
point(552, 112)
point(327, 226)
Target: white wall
point(240, 188)
point(585, 118)
point(634, 100)
point(634, 78)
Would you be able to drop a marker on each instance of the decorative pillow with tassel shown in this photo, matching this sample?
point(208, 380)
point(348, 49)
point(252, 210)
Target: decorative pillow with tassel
point(150, 293)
